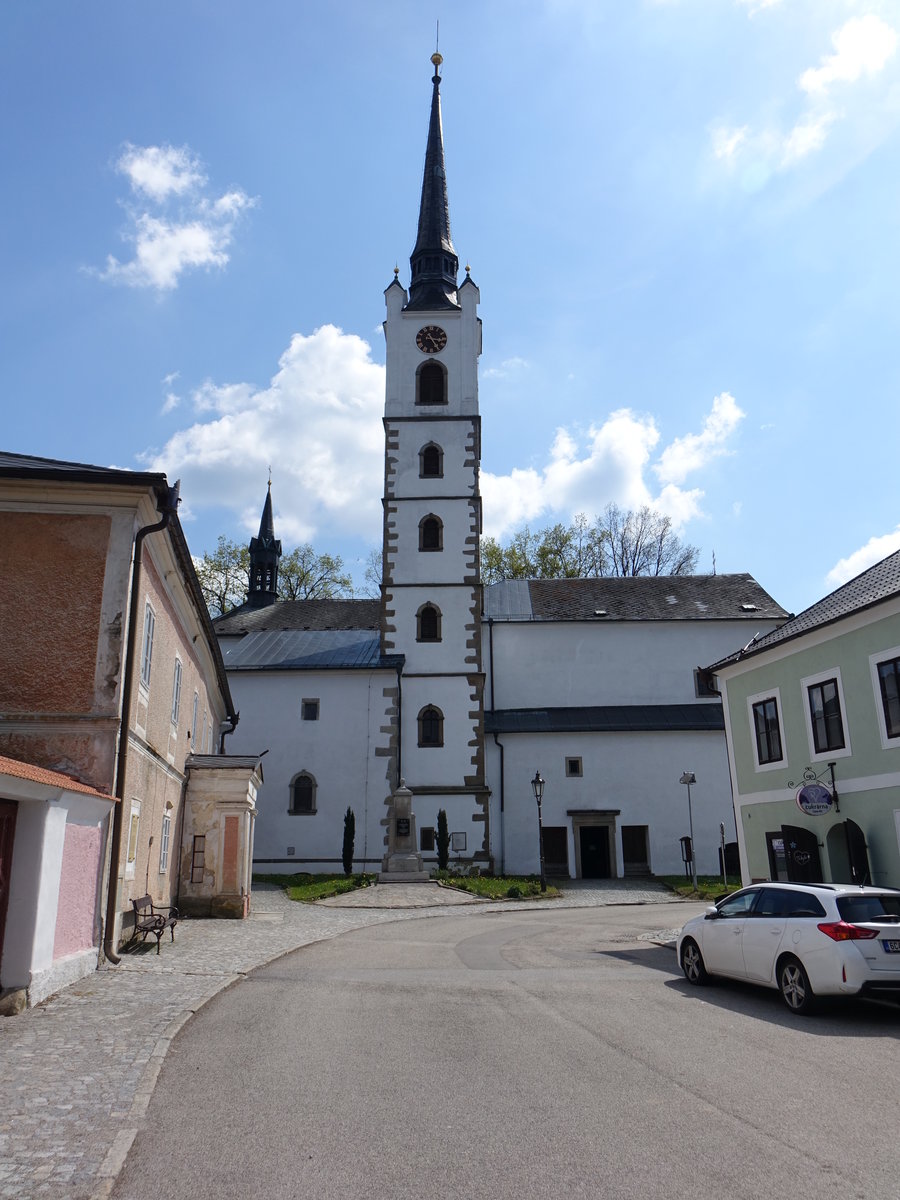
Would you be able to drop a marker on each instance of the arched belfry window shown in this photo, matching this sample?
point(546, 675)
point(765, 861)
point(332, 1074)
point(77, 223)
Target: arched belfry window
point(431, 726)
point(431, 383)
point(303, 793)
point(431, 533)
point(431, 462)
point(428, 623)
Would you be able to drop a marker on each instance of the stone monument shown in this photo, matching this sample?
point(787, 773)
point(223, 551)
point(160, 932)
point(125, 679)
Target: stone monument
point(402, 863)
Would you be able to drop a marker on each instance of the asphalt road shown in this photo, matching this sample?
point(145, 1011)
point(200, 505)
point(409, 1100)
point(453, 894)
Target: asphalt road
point(516, 1056)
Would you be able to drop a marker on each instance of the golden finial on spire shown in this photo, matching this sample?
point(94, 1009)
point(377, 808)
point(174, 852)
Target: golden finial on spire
point(396, 270)
point(437, 58)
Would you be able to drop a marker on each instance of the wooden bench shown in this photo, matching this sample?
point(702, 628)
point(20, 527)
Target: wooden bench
point(153, 918)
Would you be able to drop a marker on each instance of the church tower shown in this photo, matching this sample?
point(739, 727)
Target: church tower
point(265, 551)
point(431, 586)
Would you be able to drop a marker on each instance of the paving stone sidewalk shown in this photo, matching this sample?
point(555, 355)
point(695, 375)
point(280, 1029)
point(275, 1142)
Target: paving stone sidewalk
point(77, 1072)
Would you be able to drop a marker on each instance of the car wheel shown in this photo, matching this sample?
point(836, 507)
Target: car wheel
point(692, 963)
point(793, 983)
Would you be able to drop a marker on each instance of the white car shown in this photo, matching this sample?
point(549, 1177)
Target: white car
point(806, 940)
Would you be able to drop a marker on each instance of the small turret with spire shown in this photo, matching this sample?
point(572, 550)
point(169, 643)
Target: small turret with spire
point(434, 265)
point(265, 552)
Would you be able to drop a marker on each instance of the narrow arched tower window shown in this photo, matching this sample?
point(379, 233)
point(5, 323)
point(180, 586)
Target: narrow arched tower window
point(431, 384)
point(429, 623)
point(431, 462)
point(431, 726)
point(431, 534)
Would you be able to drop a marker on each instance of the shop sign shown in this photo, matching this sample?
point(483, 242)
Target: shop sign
point(814, 799)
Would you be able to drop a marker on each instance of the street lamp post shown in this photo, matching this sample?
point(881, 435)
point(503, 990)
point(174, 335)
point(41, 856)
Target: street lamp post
point(687, 779)
point(537, 786)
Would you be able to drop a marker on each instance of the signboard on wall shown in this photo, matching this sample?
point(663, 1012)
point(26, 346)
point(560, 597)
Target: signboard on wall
point(814, 799)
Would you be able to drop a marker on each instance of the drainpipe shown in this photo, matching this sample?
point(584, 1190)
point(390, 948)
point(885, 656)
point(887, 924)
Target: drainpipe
point(168, 506)
point(399, 725)
point(501, 747)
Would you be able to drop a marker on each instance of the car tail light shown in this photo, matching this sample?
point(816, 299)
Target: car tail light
point(843, 931)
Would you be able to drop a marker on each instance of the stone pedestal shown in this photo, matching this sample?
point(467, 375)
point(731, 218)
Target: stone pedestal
point(402, 863)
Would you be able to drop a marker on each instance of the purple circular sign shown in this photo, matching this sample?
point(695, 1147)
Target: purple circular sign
point(814, 799)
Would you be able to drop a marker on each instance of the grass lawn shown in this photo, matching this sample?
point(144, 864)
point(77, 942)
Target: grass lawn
point(709, 887)
point(500, 887)
point(306, 887)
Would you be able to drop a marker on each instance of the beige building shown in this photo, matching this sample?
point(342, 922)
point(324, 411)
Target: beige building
point(110, 676)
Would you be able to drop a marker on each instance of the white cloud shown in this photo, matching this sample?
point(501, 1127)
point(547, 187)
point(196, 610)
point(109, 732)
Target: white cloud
point(609, 463)
point(161, 171)
point(506, 368)
point(170, 403)
point(806, 136)
point(694, 450)
point(318, 424)
point(862, 47)
point(756, 6)
point(726, 141)
point(875, 549)
point(189, 230)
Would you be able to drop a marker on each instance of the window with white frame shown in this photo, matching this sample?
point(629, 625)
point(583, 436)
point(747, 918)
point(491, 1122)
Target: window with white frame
point(767, 734)
point(885, 667)
point(147, 644)
point(134, 825)
point(824, 713)
point(164, 840)
point(176, 691)
point(195, 717)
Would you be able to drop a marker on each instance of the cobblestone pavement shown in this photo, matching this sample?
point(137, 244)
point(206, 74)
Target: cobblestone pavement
point(77, 1072)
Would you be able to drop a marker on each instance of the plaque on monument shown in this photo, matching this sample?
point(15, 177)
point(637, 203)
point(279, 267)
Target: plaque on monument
point(403, 827)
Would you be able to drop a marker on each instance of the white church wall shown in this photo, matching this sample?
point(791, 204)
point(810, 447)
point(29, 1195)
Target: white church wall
point(439, 566)
point(452, 437)
point(437, 766)
point(552, 664)
point(338, 750)
point(636, 773)
point(455, 608)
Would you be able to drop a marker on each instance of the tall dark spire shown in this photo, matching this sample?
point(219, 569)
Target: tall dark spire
point(265, 551)
point(434, 265)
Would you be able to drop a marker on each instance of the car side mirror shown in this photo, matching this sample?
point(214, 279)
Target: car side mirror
point(711, 913)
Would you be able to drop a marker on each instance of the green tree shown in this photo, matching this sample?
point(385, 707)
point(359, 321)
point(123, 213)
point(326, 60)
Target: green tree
point(224, 576)
point(443, 841)
point(620, 542)
point(349, 839)
point(305, 575)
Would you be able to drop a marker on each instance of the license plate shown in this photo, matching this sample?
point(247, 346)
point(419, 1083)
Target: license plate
point(891, 945)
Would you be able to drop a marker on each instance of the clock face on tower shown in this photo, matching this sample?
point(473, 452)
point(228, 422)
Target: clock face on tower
point(431, 339)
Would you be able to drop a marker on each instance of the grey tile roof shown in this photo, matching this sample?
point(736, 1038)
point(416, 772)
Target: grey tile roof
point(873, 586)
point(642, 598)
point(301, 614)
point(309, 650)
point(607, 718)
point(27, 466)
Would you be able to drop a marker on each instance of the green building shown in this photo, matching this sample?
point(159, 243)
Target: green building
point(812, 722)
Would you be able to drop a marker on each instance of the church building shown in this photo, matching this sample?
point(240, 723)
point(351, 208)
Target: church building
point(463, 692)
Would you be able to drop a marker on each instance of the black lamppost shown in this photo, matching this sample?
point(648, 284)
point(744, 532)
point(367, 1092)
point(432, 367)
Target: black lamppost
point(687, 779)
point(537, 786)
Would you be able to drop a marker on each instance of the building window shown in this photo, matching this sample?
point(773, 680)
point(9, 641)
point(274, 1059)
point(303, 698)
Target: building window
point(198, 858)
point(303, 794)
point(767, 731)
point(203, 730)
point(164, 840)
point(309, 710)
point(825, 716)
point(176, 692)
point(428, 624)
point(889, 686)
point(573, 768)
point(431, 726)
point(431, 384)
point(134, 825)
point(431, 533)
point(426, 838)
point(431, 462)
point(195, 717)
point(147, 647)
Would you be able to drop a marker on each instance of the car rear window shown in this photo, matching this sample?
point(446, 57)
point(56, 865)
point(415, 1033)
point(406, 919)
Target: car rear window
point(868, 908)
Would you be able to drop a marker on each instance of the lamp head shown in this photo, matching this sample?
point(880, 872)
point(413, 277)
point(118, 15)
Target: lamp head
point(537, 786)
point(688, 777)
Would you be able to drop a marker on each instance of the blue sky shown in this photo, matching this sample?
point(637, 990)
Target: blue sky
point(682, 215)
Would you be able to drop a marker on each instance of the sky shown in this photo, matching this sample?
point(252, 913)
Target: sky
point(682, 215)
